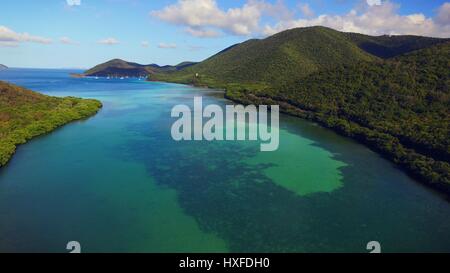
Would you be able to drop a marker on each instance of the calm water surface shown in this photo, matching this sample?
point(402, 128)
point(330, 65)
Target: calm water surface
point(117, 182)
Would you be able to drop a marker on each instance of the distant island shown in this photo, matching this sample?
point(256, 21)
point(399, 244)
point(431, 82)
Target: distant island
point(2, 66)
point(25, 114)
point(391, 93)
point(118, 68)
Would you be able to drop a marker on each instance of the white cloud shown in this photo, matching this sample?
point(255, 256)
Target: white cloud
point(109, 41)
point(373, 2)
point(167, 46)
point(306, 10)
point(8, 44)
point(11, 38)
point(278, 10)
point(73, 2)
point(373, 20)
point(145, 44)
point(202, 33)
point(68, 41)
point(443, 15)
point(201, 14)
point(204, 18)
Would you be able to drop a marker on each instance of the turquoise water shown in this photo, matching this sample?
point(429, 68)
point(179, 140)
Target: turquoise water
point(117, 182)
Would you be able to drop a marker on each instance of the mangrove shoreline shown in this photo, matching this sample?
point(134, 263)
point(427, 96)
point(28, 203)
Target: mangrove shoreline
point(25, 114)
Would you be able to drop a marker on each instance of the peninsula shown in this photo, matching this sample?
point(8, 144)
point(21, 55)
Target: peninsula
point(117, 68)
point(25, 114)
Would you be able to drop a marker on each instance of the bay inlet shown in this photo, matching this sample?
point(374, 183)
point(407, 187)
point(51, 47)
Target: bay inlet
point(118, 182)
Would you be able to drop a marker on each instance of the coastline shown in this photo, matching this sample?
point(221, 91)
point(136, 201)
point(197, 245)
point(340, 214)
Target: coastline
point(361, 138)
point(63, 111)
point(364, 136)
point(6, 156)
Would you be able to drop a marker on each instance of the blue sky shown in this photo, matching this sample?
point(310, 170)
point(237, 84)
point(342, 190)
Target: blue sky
point(82, 33)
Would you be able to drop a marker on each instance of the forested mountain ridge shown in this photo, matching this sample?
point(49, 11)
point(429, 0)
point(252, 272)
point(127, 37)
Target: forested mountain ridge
point(391, 94)
point(121, 68)
point(25, 114)
point(291, 55)
point(399, 107)
point(389, 46)
point(283, 57)
point(381, 94)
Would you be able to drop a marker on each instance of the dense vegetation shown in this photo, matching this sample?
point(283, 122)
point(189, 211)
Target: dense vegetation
point(387, 46)
point(389, 92)
point(399, 107)
point(121, 68)
point(291, 55)
point(25, 114)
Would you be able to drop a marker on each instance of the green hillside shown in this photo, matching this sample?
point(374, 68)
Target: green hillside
point(389, 92)
point(285, 56)
point(121, 68)
point(25, 114)
point(399, 107)
point(411, 90)
point(291, 55)
point(387, 46)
